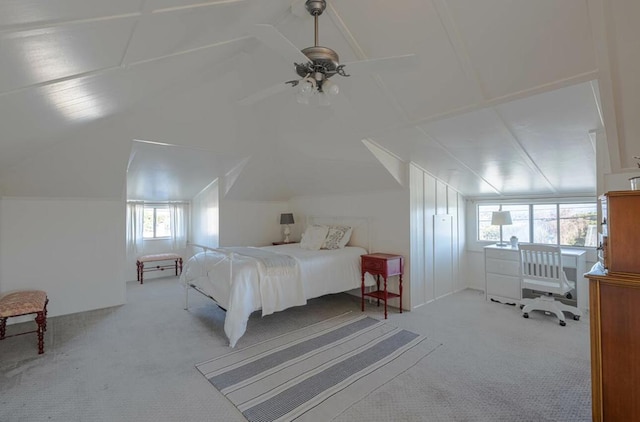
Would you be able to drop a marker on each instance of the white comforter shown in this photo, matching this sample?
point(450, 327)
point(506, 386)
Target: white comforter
point(321, 272)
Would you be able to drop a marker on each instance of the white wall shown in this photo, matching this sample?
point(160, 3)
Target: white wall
point(618, 181)
point(388, 212)
point(74, 249)
point(251, 223)
point(205, 216)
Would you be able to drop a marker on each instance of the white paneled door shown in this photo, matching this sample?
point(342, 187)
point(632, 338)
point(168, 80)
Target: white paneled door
point(443, 254)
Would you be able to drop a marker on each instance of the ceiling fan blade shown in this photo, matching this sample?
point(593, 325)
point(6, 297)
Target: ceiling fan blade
point(274, 39)
point(263, 93)
point(385, 63)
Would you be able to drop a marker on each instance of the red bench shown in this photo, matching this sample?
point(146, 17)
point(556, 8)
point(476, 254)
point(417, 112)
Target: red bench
point(25, 302)
point(160, 267)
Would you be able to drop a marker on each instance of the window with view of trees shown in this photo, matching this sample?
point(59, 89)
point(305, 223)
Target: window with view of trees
point(556, 224)
point(157, 223)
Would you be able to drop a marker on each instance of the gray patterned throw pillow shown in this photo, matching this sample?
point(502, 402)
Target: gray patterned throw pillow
point(337, 237)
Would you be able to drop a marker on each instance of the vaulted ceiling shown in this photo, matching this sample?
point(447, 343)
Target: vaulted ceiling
point(504, 98)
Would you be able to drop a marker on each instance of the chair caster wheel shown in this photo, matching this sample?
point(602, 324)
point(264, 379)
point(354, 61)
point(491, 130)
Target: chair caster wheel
point(562, 323)
point(525, 315)
point(576, 317)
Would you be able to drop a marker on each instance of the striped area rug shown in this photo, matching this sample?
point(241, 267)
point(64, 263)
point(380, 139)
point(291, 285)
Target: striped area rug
point(317, 372)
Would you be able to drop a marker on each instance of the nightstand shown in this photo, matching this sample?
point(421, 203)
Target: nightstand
point(385, 265)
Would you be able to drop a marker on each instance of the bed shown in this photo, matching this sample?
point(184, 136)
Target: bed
point(273, 278)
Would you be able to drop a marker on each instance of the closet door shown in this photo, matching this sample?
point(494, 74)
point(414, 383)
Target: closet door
point(443, 254)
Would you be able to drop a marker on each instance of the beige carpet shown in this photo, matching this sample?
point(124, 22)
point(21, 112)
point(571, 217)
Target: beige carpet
point(136, 362)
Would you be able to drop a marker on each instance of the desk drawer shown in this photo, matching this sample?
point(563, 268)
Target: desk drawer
point(506, 254)
point(375, 266)
point(501, 266)
point(569, 261)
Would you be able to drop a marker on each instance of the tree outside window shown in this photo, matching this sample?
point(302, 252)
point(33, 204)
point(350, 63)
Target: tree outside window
point(157, 223)
point(545, 224)
point(578, 224)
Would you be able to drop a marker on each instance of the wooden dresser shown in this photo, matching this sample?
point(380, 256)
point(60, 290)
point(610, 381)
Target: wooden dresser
point(615, 313)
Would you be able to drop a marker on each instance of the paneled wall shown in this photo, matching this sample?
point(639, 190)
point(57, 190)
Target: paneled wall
point(437, 237)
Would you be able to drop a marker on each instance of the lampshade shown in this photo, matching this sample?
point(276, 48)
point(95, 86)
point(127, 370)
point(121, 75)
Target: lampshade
point(286, 219)
point(501, 218)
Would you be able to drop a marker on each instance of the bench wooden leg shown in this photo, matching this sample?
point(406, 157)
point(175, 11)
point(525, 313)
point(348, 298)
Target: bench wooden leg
point(45, 314)
point(41, 320)
point(140, 272)
point(3, 327)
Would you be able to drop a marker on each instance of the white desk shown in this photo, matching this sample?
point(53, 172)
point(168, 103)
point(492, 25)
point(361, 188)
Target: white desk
point(502, 274)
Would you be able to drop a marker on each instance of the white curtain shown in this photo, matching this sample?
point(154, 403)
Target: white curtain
point(135, 223)
point(178, 212)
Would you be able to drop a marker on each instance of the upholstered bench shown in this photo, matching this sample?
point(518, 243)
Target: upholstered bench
point(157, 258)
point(25, 302)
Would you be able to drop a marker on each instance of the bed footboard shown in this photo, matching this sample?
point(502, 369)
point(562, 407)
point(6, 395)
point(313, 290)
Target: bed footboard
point(228, 257)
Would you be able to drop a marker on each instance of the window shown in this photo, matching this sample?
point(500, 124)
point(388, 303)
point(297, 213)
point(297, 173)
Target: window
point(157, 223)
point(578, 225)
point(555, 224)
point(519, 218)
point(545, 224)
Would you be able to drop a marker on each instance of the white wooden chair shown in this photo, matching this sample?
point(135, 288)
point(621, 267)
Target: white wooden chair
point(541, 271)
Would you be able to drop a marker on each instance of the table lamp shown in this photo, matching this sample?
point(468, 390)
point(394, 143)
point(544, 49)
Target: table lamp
point(501, 218)
point(286, 219)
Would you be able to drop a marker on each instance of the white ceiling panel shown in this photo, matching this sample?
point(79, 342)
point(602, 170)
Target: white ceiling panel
point(481, 141)
point(37, 56)
point(168, 172)
point(437, 84)
point(520, 44)
point(445, 166)
point(38, 12)
point(174, 71)
point(554, 130)
point(163, 33)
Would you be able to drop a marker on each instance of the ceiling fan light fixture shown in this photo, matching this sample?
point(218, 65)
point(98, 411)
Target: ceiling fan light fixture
point(330, 88)
point(307, 87)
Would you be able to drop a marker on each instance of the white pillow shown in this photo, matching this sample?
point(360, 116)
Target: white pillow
point(337, 237)
point(313, 237)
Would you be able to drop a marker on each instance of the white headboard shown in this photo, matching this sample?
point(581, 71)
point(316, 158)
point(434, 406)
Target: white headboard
point(360, 235)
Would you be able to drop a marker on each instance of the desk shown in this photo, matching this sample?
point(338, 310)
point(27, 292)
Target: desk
point(502, 274)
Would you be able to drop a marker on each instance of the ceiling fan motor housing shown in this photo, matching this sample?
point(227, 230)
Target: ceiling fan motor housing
point(323, 59)
point(316, 7)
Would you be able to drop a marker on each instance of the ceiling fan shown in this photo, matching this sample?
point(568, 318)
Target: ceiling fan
point(314, 65)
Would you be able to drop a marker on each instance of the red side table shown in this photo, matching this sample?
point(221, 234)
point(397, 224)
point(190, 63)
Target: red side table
point(385, 265)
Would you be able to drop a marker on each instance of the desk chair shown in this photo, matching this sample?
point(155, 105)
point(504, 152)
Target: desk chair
point(541, 271)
